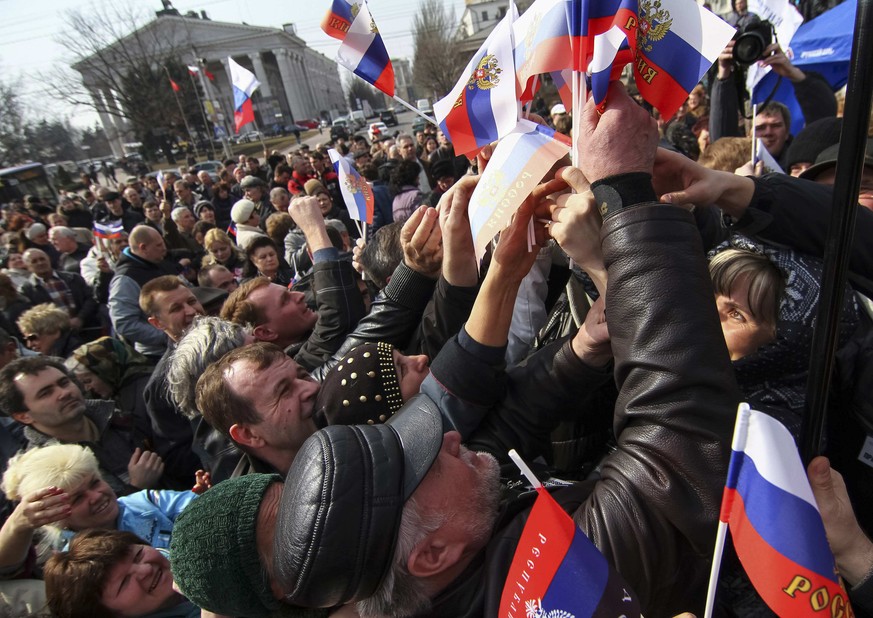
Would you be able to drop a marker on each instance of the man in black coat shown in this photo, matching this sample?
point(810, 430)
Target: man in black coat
point(63, 289)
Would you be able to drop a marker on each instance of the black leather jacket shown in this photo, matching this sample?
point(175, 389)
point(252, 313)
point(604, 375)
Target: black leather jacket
point(654, 511)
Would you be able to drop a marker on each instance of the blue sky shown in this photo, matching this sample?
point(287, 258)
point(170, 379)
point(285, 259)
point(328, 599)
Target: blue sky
point(28, 46)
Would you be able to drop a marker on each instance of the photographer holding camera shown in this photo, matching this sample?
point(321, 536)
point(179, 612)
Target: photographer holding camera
point(753, 43)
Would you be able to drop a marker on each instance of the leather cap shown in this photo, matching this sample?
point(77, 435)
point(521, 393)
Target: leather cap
point(341, 506)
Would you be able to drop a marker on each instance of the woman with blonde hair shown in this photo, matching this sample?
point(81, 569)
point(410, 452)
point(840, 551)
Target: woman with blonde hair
point(59, 488)
point(47, 329)
point(220, 249)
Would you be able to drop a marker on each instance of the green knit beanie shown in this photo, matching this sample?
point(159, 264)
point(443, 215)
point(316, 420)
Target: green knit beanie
point(214, 556)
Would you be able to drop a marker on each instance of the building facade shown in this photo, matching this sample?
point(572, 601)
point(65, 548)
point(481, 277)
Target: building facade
point(296, 82)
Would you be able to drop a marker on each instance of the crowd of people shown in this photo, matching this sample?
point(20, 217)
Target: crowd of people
point(218, 399)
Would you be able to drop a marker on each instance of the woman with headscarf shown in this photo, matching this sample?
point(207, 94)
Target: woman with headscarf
point(111, 369)
point(767, 299)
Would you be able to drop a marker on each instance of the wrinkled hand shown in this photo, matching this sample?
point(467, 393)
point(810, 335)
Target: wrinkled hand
point(42, 507)
point(852, 549)
point(459, 253)
point(776, 59)
point(166, 208)
point(576, 223)
point(145, 468)
point(306, 213)
point(357, 250)
point(622, 140)
point(422, 242)
point(591, 342)
point(202, 482)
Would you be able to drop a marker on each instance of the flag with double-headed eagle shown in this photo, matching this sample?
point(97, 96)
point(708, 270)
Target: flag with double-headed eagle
point(516, 166)
point(669, 43)
point(483, 106)
point(357, 194)
point(362, 51)
point(557, 572)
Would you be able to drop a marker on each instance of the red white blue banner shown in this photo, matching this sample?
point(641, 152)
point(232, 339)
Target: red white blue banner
point(775, 523)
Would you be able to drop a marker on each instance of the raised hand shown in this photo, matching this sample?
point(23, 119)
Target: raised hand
point(422, 242)
point(145, 468)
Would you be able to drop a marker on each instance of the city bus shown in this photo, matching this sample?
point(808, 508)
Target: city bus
point(27, 179)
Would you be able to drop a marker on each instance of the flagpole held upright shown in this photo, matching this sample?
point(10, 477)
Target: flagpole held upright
point(182, 112)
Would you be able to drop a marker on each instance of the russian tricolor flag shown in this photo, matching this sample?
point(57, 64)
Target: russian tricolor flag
point(775, 523)
point(542, 43)
point(244, 85)
point(483, 107)
point(516, 166)
point(557, 571)
point(362, 51)
point(110, 229)
point(356, 193)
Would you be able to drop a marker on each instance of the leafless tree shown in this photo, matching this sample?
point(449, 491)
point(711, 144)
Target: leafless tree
point(115, 52)
point(13, 140)
point(436, 66)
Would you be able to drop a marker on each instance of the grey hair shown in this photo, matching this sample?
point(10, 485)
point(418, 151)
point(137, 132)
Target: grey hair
point(208, 339)
point(275, 192)
point(63, 231)
point(402, 594)
point(177, 212)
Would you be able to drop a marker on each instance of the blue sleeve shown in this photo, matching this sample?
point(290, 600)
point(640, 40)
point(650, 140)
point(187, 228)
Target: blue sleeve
point(171, 503)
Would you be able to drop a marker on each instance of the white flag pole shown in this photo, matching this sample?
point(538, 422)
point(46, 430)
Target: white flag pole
point(741, 431)
point(415, 109)
point(754, 137)
point(525, 470)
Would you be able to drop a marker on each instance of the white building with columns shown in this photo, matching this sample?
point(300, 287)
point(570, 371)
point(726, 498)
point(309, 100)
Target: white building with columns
point(297, 82)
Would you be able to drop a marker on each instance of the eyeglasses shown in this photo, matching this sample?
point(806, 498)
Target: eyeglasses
point(29, 338)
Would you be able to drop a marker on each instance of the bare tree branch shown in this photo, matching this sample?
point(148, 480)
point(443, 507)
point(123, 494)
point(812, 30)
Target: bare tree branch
point(436, 67)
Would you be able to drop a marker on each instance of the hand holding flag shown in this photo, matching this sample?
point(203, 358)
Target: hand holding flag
point(775, 523)
point(518, 163)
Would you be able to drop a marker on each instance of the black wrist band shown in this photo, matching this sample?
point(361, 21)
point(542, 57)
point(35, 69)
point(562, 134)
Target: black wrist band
point(623, 191)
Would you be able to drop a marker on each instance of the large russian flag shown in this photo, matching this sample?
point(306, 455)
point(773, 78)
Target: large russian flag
point(483, 107)
point(357, 194)
point(363, 50)
point(244, 85)
point(542, 42)
point(557, 571)
point(775, 524)
point(518, 163)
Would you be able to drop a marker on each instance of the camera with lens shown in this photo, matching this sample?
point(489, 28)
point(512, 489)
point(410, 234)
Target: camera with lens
point(751, 41)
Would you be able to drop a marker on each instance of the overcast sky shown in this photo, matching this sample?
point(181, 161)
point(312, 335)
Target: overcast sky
point(29, 44)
